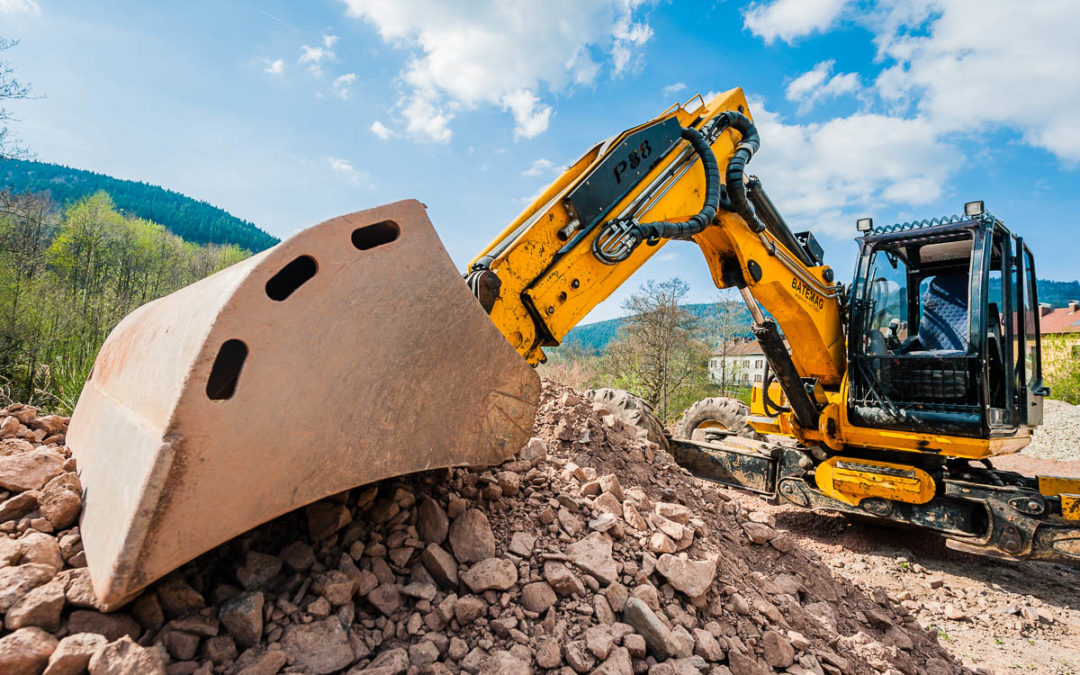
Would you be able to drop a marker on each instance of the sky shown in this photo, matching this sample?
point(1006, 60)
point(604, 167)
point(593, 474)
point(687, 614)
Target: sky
point(288, 113)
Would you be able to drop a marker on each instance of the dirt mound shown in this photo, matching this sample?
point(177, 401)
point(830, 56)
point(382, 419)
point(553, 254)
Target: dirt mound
point(589, 551)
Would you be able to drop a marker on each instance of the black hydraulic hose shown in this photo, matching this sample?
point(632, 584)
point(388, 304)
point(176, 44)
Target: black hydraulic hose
point(687, 229)
point(736, 168)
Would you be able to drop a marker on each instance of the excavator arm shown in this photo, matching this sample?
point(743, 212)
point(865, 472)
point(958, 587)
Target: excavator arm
point(678, 176)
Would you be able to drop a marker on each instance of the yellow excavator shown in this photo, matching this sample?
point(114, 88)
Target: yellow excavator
point(353, 352)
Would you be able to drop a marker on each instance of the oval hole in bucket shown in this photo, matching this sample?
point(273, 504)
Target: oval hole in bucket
point(380, 233)
point(291, 277)
point(226, 371)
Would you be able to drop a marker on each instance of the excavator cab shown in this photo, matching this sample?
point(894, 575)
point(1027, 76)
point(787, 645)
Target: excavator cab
point(944, 328)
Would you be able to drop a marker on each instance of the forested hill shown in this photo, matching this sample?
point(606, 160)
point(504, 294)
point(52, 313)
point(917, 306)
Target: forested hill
point(593, 338)
point(190, 219)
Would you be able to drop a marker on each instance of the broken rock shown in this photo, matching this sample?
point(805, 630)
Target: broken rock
point(123, 657)
point(72, 654)
point(320, 647)
point(471, 538)
point(494, 573)
point(692, 577)
point(593, 555)
point(29, 470)
point(26, 651)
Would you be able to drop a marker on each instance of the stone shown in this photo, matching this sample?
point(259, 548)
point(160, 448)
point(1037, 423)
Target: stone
point(19, 505)
point(72, 654)
point(954, 613)
point(598, 641)
point(658, 637)
point(593, 555)
point(29, 470)
point(389, 662)
point(521, 544)
point(633, 517)
point(758, 533)
point(538, 596)
point(40, 607)
point(635, 644)
point(618, 663)
point(258, 570)
point(320, 647)
point(578, 656)
point(420, 590)
point(692, 577)
point(50, 424)
point(777, 651)
point(123, 657)
point(468, 609)
point(706, 646)
point(604, 522)
point(243, 618)
point(562, 579)
point(661, 543)
point(297, 556)
point(112, 626)
point(683, 641)
point(15, 582)
point(42, 549)
point(179, 599)
point(441, 565)
point(267, 663)
point(79, 591)
point(548, 653)
point(493, 573)
point(571, 523)
point(219, 649)
point(326, 518)
point(61, 501)
point(422, 654)
point(935, 582)
point(386, 598)
point(675, 512)
point(25, 651)
point(647, 594)
point(197, 624)
point(180, 645)
point(535, 451)
point(471, 538)
point(606, 503)
point(509, 482)
point(432, 525)
point(507, 662)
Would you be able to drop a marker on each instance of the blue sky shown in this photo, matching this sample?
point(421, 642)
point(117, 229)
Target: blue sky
point(288, 113)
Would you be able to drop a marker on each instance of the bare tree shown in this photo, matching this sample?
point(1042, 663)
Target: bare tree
point(11, 89)
point(657, 355)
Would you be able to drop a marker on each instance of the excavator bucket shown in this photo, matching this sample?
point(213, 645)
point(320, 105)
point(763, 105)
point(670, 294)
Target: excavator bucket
point(350, 353)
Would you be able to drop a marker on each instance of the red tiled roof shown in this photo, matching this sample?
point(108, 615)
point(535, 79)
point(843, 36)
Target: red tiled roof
point(1060, 320)
point(740, 348)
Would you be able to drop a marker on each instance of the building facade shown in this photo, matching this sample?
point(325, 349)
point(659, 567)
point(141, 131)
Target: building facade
point(739, 363)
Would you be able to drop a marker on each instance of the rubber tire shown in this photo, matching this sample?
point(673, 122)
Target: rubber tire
point(727, 412)
point(634, 411)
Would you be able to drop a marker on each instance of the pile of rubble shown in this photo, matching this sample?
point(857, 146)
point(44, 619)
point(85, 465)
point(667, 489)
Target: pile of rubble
point(590, 551)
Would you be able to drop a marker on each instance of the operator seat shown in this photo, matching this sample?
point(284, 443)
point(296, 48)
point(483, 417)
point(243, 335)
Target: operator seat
point(944, 323)
point(939, 371)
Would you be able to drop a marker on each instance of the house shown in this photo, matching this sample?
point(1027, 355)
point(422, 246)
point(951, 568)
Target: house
point(740, 362)
point(1060, 330)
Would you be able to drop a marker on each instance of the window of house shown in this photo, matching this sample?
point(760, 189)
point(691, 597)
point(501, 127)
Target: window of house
point(757, 378)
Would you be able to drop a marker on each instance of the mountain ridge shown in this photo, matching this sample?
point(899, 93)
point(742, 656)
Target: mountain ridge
point(191, 219)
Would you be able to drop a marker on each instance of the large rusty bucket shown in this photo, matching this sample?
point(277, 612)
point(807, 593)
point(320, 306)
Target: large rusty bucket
point(350, 353)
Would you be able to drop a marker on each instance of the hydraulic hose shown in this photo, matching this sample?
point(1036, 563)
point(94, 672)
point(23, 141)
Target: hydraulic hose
point(619, 238)
point(736, 168)
point(687, 229)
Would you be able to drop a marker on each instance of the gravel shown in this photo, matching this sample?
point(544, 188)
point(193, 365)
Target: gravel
point(1059, 436)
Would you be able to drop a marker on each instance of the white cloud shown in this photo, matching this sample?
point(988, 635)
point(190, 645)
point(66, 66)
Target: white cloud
point(351, 173)
point(275, 67)
point(825, 174)
point(19, 7)
point(989, 63)
point(792, 19)
point(342, 85)
point(314, 56)
point(540, 167)
point(381, 130)
point(531, 117)
point(504, 53)
point(951, 72)
point(673, 89)
point(819, 83)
